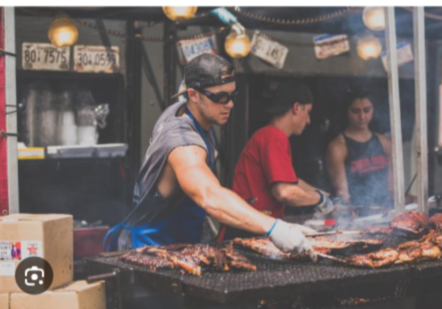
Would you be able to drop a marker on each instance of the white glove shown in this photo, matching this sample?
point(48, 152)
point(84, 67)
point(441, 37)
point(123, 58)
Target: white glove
point(290, 237)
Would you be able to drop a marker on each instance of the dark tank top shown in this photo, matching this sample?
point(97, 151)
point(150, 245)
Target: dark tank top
point(367, 172)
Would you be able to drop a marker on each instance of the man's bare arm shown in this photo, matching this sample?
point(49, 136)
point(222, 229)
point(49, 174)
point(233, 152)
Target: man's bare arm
point(305, 186)
point(294, 195)
point(200, 184)
point(308, 187)
point(336, 154)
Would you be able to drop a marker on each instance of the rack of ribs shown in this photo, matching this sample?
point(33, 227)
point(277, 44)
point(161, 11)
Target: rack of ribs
point(377, 259)
point(151, 262)
point(379, 230)
point(237, 260)
point(208, 255)
point(410, 221)
point(187, 262)
point(263, 246)
point(172, 247)
point(188, 257)
point(328, 245)
point(422, 249)
point(436, 221)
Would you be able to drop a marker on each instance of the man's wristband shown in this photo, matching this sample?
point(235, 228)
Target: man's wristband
point(271, 229)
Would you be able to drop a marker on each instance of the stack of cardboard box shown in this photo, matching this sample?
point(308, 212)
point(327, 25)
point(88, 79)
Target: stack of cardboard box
point(50, 237)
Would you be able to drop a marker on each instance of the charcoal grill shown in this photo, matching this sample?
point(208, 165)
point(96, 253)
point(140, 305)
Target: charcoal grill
point(319, 285)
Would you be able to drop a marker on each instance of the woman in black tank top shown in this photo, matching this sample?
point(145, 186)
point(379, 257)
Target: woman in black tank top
point(358, 160)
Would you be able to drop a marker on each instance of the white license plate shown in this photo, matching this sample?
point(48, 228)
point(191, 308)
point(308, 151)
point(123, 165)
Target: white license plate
point(96, 59)
point(42, 56)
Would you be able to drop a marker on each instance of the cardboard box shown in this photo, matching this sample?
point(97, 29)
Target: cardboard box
point(48, 236)
point(77, 295)
point(4, 301)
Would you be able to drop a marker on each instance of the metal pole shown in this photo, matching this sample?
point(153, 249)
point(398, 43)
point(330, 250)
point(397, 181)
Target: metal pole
point(421, 107)
point(11, 99)
point(395, 113)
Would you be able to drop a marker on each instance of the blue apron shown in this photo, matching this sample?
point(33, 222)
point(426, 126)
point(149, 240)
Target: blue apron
point(183, 225)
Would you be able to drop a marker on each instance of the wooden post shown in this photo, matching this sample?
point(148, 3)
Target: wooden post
point(421, 107)
point(395, 112)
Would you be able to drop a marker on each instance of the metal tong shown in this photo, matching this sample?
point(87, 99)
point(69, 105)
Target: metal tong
point(331, 258)
point(357, 232)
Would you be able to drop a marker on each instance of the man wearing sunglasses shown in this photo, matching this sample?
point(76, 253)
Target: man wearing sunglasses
point(176, 186)
point(264, 174)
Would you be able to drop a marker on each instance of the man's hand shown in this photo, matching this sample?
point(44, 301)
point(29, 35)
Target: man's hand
point(291, 238)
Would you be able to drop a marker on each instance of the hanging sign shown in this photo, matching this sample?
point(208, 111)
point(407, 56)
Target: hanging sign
point(269, 50)
point(189, 49)
point(329, 45)
point(404, 54)
point(96, 59)
point(43, 56)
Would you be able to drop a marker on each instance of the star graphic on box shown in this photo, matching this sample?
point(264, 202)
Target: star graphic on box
point(32, 250)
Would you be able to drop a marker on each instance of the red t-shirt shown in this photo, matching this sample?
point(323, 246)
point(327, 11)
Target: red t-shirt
point(266, 159)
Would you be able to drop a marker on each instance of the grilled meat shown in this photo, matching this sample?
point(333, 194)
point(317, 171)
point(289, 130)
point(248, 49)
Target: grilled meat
point(409, 255)
point(436, 221)
point(151, 262)
point(187, 262)
point(320, 250)
point(208, 255)
point(236, 260)
point(366, 244)
point(411, 221)
point(418, 251)
point(384, 257)
point(328, 245)
point(189, 258)
point(382, 230)
point(263, 246)
point(362, 260)
point(430, 251)
point(324, 245)
point(218, 258)
point(427, 247)
point(437, 240)
point(377, 259)
point(199, 254)
point(171, 247)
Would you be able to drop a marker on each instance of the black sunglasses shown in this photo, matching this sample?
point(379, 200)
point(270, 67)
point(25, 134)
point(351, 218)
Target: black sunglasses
point(221, 97)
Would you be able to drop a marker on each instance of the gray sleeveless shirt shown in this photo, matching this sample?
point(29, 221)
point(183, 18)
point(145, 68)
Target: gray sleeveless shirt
point(170, 131)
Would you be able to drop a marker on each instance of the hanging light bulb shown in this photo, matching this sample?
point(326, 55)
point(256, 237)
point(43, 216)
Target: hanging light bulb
point(369, 48)
point(374, 18)
point(237, 43)
point(180, 12)
point(63, 31)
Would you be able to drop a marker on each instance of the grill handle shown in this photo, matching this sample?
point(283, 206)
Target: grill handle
point(113, 287)
point(92, 279)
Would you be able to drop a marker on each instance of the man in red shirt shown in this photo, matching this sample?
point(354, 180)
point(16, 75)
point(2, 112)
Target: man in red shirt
point(264, 175)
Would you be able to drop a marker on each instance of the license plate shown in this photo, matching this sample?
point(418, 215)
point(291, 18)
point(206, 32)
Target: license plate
point(189, 49)
point(404, 55)
point(328, 45)
point(269, 50)
point(96, 59)
point(42, 56)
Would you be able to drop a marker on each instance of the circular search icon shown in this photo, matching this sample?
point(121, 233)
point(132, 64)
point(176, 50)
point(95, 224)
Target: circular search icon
point(34, 275)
